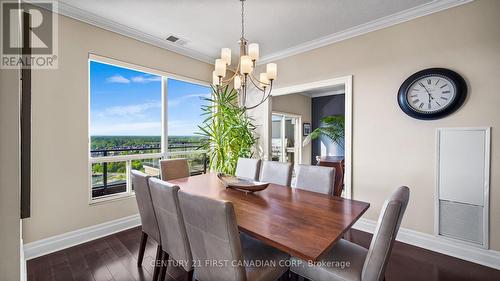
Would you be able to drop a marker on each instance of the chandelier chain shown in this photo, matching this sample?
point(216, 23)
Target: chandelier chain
point(242, 18)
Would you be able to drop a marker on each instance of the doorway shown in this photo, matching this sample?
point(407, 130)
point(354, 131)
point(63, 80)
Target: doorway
point(285, 136)
point(316, 89)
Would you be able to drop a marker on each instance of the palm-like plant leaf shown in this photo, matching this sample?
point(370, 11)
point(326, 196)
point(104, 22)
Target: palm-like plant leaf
point(333, 128)
point(226, 130)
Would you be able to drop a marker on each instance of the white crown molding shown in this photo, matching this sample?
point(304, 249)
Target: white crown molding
point(79, 236)
point(400, 17)
point(434, 243)
point(397, 18)
point(101, 22)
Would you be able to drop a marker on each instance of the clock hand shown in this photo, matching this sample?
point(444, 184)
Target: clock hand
point(430, 96)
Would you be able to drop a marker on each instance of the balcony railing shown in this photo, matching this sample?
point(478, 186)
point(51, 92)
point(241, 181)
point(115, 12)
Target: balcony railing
point(111, 167)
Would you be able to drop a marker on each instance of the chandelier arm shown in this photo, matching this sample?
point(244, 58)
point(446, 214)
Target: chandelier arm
point(263, 100)
point(257, 86)
point(234, 75)
point(266, 84)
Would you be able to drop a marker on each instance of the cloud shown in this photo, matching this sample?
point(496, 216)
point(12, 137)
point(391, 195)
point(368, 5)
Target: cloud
point(135, 110)
point(145, 78)
point(117, 79)
point(132, 129)
point(179, 100)
point(182, 127)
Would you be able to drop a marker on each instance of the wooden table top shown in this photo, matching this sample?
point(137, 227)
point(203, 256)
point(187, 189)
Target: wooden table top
point(302, 223)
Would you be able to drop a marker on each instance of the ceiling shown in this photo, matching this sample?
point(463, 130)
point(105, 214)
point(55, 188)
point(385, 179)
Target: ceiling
point(281, 27)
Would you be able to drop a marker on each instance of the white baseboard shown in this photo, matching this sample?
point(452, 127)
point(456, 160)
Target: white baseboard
point(73, 238)
point(434, 243)
point(23, 274)
point(484, 257)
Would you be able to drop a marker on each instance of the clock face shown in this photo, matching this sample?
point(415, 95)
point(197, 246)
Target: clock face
point(431, 94)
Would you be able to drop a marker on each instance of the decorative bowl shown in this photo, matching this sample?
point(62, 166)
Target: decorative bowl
point(246, 185)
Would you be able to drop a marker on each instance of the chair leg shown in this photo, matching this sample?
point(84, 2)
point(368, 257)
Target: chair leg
point(285, 276)
point(156, 271)
point(164, 265)
point(142, 248)
point(190, 275)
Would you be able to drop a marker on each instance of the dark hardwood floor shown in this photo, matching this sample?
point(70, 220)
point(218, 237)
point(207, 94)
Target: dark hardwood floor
point(114, 258)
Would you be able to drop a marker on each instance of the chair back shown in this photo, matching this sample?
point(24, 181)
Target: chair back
point(385, 234)
point(248, 168)
point(172, 169)
point(145, 204)
point(213, 236)
point(316, 178)
point(276, 172)
point(173, 234)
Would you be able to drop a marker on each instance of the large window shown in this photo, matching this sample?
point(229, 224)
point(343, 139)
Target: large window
point(129, 122)
point(184, 115)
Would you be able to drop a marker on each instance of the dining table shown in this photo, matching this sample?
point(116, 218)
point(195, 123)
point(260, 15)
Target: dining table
point(301, 223)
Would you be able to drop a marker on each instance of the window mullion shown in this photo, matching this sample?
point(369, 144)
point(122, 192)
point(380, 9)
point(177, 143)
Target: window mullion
point(164, 136)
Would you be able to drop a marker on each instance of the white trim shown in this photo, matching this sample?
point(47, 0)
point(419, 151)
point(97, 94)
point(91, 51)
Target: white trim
point(486, 192)
point(387, 21)
point(325, 84)
point(24, 272)
point(329, 93)
point(101, 22)
point(146, 69)
point(316, 85)
point(490, 258)
point(76, 237)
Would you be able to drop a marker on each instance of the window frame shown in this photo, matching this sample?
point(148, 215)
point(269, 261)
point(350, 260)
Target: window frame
point(163, 154)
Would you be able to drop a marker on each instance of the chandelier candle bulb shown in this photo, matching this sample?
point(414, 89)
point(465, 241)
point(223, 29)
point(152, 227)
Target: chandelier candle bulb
point(253, 51)
point(246, 64)
point(237, 82)
point(264, 82)
point(271, 70)
point(225, 55)
point(215, 79)
point(220, 67)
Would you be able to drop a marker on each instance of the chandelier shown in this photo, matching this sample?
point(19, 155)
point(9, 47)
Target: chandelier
point(244, 76)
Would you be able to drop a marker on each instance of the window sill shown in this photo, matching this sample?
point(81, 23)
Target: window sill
point(111, 198)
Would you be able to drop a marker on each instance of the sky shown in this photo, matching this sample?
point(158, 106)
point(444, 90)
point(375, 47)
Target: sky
point(125, 102)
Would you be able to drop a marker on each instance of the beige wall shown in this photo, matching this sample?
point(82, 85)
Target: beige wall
point(389, 148)
point(10, 217)
point(299, 105)
point(60, 127)
point(9, 175)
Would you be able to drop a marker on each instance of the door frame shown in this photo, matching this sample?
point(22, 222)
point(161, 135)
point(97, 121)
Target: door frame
point(297, 133)
point(322, 84)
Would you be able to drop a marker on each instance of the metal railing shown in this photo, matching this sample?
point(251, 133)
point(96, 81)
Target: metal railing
point(142, 154)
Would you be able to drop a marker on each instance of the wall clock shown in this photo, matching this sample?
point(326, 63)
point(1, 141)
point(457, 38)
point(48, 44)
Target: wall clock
point(432, 93)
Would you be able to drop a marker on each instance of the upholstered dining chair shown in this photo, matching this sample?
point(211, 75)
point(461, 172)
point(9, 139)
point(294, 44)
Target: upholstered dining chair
point(174, 240)
point(315, 178)
point(276, 172)
point(172, 169)
point(149, 223)
point(248, 168)
point(213, 235)
point(365, 265)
